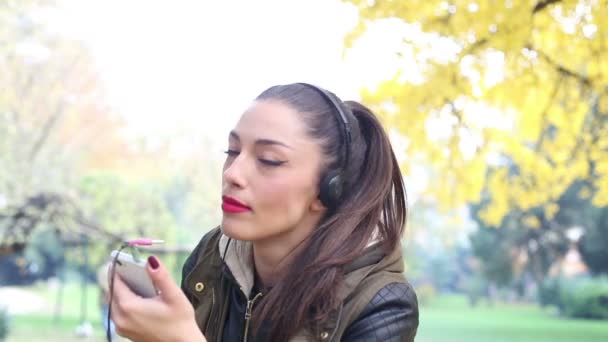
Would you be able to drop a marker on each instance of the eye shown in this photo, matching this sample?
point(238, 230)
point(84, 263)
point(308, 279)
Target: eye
point(232, 153)
point(272, 162)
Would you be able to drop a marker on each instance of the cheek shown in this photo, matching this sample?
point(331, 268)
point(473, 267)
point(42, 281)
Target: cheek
point(285, 198)
point(283, 192)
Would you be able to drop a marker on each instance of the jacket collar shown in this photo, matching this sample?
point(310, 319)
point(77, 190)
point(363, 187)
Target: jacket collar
point(238, 257)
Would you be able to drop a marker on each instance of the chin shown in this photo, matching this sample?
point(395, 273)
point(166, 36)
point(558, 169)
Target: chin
point(238, 230)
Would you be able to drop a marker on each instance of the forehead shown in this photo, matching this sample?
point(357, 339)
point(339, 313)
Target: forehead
point(272, 118)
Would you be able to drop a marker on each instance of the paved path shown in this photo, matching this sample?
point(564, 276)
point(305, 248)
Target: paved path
point(19, 301)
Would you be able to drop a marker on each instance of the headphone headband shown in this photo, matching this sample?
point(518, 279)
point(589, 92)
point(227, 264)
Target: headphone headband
point(341, 115)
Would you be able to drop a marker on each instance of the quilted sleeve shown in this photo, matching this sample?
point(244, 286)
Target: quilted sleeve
point(391, 316)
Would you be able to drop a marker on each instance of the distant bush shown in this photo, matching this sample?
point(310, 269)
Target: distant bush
point(476, 288)
point(549, 292)
point(3, 324)
point(585, 297)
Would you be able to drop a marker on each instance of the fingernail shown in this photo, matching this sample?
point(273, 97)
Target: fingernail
point(153, 261)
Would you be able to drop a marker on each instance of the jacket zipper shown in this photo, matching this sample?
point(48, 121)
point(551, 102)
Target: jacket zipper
point(248, 315)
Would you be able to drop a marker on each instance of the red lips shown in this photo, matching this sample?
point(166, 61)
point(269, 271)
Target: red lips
point(231, 205)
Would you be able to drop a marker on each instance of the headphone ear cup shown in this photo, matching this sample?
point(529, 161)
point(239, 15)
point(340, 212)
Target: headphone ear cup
point(331, 189)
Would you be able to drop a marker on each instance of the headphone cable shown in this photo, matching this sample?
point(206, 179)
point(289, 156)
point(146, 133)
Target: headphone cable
point(130, 243)
point(112, 274)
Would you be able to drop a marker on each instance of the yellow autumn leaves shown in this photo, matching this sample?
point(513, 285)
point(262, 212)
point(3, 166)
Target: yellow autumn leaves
point(521, 105)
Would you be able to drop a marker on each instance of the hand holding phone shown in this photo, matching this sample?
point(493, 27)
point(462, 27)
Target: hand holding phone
point(134, 274)
point(169, 316)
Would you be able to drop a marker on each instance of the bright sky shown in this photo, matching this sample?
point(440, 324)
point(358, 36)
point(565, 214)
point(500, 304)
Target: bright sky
point(193, 66)
point(184, 69)
point(177, 68)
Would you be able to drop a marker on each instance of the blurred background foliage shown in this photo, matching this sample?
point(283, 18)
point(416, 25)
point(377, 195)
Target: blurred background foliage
point(498, 112)
point(61, 143)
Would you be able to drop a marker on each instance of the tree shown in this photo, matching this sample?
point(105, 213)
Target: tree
point(528, 244)
point(594, 241)
point(435, 247)
point(487, 84)
point(53, 115)
point(59, 136)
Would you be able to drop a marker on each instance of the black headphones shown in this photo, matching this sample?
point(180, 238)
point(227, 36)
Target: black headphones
point(332, 184)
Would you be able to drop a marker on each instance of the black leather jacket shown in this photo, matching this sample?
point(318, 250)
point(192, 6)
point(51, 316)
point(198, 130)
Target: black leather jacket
point(391, 313)
point(391, 316)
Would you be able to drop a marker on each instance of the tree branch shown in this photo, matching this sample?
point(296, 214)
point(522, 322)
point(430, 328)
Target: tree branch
point(59, 111)
point(541, 5)
point(46, 130)
point(477, 44)
point(544, 113)
point(560, 68)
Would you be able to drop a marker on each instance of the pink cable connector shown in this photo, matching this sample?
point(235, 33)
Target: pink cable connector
point(144, 242)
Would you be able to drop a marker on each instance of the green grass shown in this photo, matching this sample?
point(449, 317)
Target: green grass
point(444, 319)
point(452, 319)
point(42, 326)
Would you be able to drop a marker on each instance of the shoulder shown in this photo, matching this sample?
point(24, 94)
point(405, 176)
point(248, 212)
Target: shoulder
point(391, 315)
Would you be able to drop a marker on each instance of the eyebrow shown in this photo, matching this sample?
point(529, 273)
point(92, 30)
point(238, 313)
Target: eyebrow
point(234, 135)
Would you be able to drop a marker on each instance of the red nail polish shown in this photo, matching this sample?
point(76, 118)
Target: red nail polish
point(153, 261)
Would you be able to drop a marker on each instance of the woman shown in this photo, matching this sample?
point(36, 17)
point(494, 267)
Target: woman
point(308, 247)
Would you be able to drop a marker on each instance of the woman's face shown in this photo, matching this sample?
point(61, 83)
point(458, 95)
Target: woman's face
point(271, 175)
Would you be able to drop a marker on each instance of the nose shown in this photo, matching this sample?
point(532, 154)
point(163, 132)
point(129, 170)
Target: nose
point(235, 172)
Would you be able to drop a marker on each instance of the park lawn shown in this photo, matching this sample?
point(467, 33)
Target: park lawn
point(450, 318)
point(446, 318)
point(42, 326)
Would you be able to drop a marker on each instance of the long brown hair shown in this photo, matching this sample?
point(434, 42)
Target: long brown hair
point(374, 205)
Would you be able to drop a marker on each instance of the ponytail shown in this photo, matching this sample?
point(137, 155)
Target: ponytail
point(381, 179)
point(373, 207)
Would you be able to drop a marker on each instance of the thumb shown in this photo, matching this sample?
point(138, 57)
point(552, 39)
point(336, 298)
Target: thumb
point(169, 291)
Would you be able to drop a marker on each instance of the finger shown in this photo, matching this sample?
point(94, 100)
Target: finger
point(116, 311)
point(121, 291)
point(169, 291)
point(125, 304)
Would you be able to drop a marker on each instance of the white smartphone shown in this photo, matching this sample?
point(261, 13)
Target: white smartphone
point(134, 274)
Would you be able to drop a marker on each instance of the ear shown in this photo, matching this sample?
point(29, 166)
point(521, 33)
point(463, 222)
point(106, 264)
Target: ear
point(317, 206)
